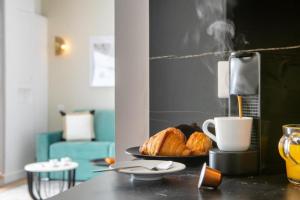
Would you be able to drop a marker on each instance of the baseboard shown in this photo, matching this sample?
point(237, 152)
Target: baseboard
point(13, 176)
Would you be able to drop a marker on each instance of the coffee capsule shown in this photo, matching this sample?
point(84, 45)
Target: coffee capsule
point(209, 177)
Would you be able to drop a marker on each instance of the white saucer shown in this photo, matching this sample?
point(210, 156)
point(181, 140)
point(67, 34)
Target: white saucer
point(140, 173)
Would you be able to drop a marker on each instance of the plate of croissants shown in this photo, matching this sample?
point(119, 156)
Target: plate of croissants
point(172, 144)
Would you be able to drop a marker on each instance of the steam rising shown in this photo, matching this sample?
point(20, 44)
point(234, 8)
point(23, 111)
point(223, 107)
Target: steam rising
point(223, 32)
point(212, 15)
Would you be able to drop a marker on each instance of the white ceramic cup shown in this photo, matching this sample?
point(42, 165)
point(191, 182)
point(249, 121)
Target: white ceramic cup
point(232, 133)
point(65, 160)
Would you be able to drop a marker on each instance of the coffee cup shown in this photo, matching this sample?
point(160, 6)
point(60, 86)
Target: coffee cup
point(232, 133)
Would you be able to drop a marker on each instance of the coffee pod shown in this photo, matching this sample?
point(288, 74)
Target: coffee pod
point(209, 177)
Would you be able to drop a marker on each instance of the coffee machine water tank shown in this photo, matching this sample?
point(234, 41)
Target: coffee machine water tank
point(244, 73)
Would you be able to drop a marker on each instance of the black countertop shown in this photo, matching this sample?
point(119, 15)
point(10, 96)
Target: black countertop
point(115, 186)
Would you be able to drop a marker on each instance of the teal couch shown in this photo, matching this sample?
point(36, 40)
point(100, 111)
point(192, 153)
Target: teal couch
point(51, 146)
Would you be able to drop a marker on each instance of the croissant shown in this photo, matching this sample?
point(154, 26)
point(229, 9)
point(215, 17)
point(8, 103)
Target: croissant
point(199, 143)
point(168, 142)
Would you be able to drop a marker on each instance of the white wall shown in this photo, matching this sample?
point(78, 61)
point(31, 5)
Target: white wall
point(38, 6)
point(1, 88)
point(77, 21)
point(132, 74)
point(25, 84)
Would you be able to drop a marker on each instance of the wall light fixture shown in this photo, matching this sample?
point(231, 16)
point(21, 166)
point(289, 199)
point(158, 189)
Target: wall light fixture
point(61, 46)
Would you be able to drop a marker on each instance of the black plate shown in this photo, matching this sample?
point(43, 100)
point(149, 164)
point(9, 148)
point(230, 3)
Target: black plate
point(187, 160)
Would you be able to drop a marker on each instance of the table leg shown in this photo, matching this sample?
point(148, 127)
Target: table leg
point(30, 185)
point(71, 178)
point(74, 177)
point(39, 181)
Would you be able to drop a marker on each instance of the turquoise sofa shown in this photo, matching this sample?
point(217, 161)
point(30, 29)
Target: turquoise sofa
point(51, 146)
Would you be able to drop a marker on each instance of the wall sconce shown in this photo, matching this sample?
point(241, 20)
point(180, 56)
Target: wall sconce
point(61, 46)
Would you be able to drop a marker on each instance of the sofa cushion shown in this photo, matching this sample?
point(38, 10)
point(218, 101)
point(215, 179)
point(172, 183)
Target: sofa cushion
point(79, 126)
point(84, 150)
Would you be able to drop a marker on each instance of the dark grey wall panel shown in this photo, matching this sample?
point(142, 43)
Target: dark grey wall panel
point(183, 90)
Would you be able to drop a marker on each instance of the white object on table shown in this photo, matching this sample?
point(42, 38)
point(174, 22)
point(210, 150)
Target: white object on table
point(49, 167)
point(164, 165)
point(65, 160)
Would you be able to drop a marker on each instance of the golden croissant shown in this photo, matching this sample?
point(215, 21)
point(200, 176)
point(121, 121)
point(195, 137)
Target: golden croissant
point(168, 142)
point(199, 143)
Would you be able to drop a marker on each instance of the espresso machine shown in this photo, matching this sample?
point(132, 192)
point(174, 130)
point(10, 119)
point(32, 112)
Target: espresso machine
point(266, 86)
point(244, 81)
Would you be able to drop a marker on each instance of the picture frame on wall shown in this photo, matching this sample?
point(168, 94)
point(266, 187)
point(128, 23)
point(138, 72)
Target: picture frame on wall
point(102, 61)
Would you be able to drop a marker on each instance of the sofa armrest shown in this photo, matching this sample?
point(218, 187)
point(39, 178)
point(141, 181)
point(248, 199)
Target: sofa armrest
point(43, 142)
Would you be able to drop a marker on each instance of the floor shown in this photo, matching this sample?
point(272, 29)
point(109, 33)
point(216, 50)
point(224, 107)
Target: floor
point(18, 190)
point(15, 191)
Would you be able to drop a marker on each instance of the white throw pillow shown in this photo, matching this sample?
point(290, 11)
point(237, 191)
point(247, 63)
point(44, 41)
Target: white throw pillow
point(78, 126)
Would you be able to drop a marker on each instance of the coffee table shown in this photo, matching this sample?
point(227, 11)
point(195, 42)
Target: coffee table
point(46, 179)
